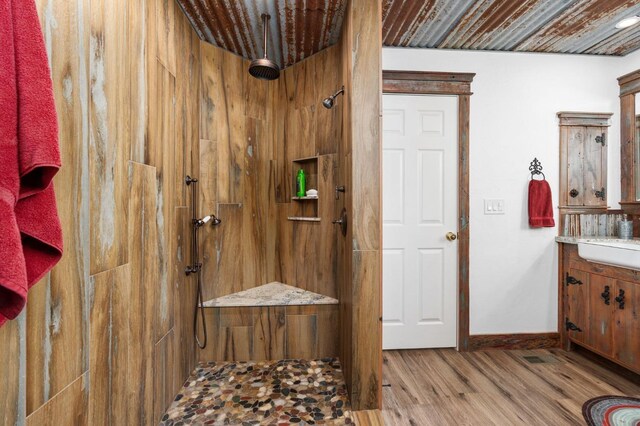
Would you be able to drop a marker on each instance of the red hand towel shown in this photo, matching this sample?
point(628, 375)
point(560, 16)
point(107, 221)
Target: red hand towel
point(29, 152)
point(540, 204)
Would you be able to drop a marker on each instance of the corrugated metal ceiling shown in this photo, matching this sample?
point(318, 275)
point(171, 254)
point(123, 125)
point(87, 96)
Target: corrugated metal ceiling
point(300, 28)
point(297, 28)
point(556, 26)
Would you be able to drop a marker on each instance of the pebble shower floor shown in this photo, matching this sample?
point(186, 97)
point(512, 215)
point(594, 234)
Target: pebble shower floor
point(286, 392)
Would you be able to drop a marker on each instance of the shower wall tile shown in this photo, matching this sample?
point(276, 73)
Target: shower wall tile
point(187, 109)
point(306, 79)
point(100, 351)
point(271, 232)
point(110, 135)
point(284, 255)
point(326, 257)
point(305, 256)
point(126, 79)
point(136, 64)
point(278, 123)
point(10, 385)
point(256, 94)
point(231, 129)
point(143, 292)
point(161, 155)
point(360, 253)
point(302, 336)
point(166, 13)
point(228, 253)
point(366, 347)
point(109, 336)
point(255, 204)
point(55, 355)
point(68, 407)
point(185, 296)
point(270, 332)
point(124, 323)
point(164, 384)
point(210, 88)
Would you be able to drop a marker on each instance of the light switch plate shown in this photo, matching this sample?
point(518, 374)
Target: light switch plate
point(494, 206)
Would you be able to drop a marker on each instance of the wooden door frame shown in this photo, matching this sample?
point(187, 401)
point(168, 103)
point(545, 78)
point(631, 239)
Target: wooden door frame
point(458, 84)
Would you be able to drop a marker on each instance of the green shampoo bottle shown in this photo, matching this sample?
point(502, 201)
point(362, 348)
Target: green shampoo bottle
point(301, 184)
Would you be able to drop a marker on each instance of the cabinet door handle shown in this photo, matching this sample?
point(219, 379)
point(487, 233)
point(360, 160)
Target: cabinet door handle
point(574, 193)
point(620, 299)
point(606, 295)
point(601, 194)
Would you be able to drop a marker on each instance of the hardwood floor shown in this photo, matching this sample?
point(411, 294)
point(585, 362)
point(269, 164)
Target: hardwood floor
point(445, 387)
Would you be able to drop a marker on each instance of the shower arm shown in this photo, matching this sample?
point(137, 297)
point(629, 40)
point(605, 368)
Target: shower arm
point(265, 20)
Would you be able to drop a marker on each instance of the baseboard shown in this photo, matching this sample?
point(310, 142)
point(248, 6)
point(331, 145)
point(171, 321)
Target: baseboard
point(514, 341)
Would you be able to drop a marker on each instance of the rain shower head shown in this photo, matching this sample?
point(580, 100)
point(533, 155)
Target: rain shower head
point(264, 68)
point(329, 102)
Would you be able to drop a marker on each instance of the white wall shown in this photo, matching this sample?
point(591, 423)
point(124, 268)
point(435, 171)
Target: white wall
point(513, 269)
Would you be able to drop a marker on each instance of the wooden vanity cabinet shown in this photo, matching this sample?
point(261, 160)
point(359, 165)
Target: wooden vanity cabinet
point(600, 308)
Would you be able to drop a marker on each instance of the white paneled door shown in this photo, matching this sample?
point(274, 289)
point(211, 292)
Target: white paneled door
point(420, 195)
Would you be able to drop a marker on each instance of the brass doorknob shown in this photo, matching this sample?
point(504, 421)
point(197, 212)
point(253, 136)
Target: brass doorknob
point(451, 236)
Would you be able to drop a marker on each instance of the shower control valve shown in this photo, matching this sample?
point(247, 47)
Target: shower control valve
point(193, 269)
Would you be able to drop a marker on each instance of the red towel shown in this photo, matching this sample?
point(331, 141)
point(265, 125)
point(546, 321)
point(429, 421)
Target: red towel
point(31, 233)
point(540, 204)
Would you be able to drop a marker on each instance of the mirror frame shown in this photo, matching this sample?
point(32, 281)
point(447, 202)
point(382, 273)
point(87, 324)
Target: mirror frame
point(629, 87)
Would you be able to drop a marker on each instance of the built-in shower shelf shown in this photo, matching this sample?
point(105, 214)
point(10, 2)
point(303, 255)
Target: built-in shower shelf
point(304, 219)
point(272, 294)
point(305, 209)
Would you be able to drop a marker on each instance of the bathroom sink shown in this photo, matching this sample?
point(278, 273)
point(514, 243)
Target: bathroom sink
point(625, 254)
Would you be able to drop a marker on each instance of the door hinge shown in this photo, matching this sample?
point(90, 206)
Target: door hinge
point(602, 194)
point(572, 281)
point(571, 326)
point(602, 139)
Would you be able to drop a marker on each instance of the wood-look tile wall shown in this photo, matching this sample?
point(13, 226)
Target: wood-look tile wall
point(360, 254)
point(106, 338)
point(270, 332)
point(250, 133)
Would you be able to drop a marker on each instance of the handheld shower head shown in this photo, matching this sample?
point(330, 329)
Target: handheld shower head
point(330, 101)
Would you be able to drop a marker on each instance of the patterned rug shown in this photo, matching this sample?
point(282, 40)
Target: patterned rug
point(287, 392)
point(612, 411)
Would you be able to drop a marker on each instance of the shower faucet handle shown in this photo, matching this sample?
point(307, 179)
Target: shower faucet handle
point(193, 269)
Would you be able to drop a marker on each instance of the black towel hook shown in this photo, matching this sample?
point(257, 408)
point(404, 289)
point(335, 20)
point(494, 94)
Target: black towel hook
point(536, 169)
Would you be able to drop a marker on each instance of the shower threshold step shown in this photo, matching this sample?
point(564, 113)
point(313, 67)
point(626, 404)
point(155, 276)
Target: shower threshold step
point(272, 294)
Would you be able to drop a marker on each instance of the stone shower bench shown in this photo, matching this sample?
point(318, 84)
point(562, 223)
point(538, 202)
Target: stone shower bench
point(272, 294)
point(271, 322)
